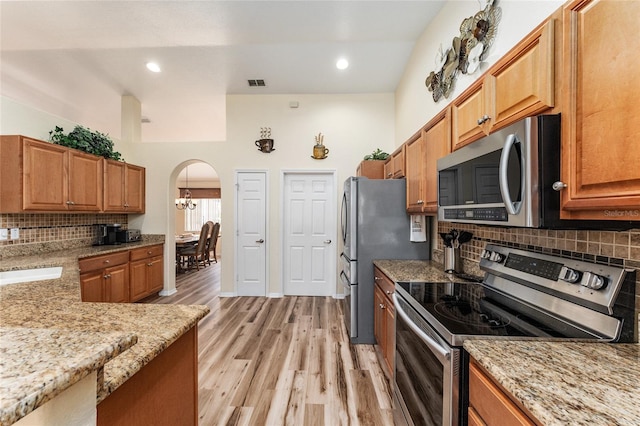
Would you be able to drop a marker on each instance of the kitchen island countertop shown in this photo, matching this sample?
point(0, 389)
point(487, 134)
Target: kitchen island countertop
point(103, 333)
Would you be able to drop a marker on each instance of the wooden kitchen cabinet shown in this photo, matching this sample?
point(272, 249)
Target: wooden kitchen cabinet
point(146, 271)
point(519, 85)
point(373, 169)
point(437, 143)
point(415, 169)
point(394, 165)
point(489, 405)
point(45, 177)
point(384, 318)
point(601, 112)
point(124, 187)
point(105, 278)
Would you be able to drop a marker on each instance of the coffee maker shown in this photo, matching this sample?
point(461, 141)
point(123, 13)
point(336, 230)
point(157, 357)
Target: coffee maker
point(107, 234)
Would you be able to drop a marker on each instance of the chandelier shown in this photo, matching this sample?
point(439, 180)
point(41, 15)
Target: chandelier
point(186, 202)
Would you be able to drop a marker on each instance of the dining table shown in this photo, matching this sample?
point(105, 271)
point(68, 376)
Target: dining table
point(184, 241)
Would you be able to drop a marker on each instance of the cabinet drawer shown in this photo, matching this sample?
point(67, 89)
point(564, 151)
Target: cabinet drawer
point(386, 285)
point(491, 403)
point(105, 261)
point(145, 252)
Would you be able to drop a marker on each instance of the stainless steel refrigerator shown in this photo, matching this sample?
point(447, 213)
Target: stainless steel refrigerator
point(374, 225)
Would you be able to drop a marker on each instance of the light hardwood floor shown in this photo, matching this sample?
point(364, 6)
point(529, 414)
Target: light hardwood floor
point(287, 361)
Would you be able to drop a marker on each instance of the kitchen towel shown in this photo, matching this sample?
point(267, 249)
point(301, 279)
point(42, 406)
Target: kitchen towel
point(418, 229)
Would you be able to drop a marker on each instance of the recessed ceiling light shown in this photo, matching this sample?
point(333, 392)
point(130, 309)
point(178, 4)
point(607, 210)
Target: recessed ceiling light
point(342, 64)
point(153, 67)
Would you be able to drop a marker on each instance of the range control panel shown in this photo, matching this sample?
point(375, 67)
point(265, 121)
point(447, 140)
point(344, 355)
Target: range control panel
point(577, 279)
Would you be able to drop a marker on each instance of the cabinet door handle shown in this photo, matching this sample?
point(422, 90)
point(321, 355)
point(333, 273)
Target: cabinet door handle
point(107, 261)
point(388, 292)
point(420, 202)
point(377, 278)
point(150, 264)
point(558, 186)
point(70, 203)
point(483, 119)
point(389, 174)
point(106, 276)
point(381, 306)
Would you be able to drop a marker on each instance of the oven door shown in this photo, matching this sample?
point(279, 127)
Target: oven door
point(427, 372)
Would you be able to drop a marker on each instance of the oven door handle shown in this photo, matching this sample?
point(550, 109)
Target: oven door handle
point(512, 208)
point(441, 353)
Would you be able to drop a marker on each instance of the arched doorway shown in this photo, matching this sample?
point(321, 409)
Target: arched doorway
point(198, 200)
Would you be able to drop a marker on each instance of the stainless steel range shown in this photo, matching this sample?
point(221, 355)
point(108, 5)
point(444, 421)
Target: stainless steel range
point(524, 295)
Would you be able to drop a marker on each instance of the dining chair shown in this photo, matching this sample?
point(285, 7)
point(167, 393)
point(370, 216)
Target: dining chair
point(196, 254)
point(213, 241)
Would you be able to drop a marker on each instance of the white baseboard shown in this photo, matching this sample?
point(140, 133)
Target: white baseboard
point(338, 296)
point(228, 294)
point(167, 292)
point(275, 295)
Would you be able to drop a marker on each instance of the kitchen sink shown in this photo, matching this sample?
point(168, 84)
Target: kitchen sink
point(28, 275)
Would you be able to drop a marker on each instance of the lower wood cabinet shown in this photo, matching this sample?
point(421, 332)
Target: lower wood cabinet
point(384, 318)
point(489, 405)
point(125, 276)
point(146, 271)
point(163, 393)
point(105, 278)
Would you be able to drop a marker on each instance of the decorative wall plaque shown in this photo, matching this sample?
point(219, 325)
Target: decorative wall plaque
point(466, 51)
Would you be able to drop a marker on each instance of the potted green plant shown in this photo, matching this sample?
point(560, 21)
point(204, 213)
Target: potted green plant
point(378, 154)
point(86, 140)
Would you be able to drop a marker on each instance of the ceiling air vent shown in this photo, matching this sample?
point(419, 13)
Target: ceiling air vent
point(256, 83)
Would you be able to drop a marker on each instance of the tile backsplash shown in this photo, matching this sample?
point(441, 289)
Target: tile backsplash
point(607, 247)
point(54, 228)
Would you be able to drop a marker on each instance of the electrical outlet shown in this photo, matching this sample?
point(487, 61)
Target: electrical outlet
point(15, 233)
point(4, 234)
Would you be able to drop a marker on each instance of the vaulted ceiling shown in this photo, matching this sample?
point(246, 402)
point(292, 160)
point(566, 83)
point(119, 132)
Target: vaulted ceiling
point(76, 59)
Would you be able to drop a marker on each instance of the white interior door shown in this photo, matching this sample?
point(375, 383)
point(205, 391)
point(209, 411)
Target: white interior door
point(309, 229)
point(251, 220)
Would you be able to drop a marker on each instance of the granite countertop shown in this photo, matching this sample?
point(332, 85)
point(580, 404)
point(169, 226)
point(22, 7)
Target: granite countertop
point(414, 270)
point(52, 312)
point(563, 383)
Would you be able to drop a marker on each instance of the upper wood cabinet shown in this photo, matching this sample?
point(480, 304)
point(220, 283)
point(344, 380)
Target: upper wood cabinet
point(124, 187)
point(437, 144)
point(415, 171)
point(41, 176)
point(373, 169)
point(519, 85)
point(601, 111)
point(394, 165)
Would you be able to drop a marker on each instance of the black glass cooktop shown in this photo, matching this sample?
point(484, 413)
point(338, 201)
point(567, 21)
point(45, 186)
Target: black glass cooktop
point(466, 309)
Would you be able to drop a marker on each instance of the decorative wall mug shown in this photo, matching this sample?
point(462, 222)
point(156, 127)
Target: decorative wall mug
point(320, 151)
point(265, 145)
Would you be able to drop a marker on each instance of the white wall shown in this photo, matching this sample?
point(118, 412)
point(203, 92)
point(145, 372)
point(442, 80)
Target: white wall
point(19, 119)
point(353, 125)
point(414, 103)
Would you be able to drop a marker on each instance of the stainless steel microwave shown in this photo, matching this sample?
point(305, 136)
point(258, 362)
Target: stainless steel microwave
point(507, 178)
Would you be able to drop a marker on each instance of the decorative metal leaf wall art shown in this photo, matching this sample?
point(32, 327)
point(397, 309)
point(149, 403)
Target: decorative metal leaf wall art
point(477, 34)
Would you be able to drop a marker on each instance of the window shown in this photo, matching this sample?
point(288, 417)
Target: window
point(206, 209)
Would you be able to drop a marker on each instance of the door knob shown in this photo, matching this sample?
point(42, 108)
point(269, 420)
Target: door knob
point(327, 241)
point(260, 241)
